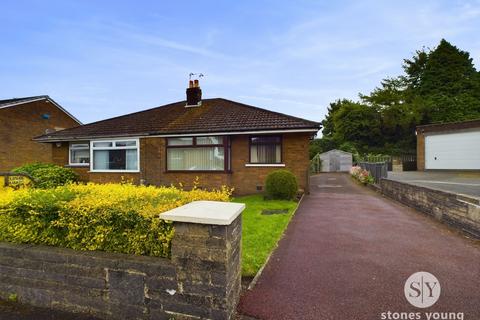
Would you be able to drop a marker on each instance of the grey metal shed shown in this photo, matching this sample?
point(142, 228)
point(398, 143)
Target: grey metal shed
point(336, 161)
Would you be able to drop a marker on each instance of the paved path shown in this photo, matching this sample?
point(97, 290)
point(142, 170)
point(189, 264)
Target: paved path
point(347, 253)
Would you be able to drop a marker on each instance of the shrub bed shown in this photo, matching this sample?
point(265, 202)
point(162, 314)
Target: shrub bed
point(110, 217)
point(361, 175)
point(47, 175)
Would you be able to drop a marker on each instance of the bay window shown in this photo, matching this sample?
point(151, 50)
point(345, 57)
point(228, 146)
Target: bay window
point(79, 153)
point(208, 153)
point(115, 155)
point(266, 149)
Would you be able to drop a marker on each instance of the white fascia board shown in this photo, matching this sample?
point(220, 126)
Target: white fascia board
point(66, 112)
point(265, 165)
point(21, 102)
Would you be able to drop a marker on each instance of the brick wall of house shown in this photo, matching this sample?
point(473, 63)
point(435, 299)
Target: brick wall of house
point(19, 124)
point(420, 151)
point(244, 179)
point(294, 155)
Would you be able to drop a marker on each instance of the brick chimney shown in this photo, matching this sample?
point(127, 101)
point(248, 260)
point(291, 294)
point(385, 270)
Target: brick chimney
point(194, 94)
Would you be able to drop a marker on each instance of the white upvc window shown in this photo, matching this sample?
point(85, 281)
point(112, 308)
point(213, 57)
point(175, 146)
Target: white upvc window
point(79, 154)
point(119, 155)
point(208, 153)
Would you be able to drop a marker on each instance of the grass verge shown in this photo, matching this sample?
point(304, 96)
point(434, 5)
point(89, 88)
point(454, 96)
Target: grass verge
point(261, 232)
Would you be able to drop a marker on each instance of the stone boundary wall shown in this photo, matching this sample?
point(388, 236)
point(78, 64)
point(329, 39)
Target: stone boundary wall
point(459, 211)
point(201, 280)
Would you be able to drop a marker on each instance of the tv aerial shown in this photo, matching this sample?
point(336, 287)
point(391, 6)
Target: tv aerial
point(198, 75)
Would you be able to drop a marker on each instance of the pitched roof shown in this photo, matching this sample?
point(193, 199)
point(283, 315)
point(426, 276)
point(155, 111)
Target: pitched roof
point(7, 103)
point(14, 101)
point(335, 150)
point(213, 116)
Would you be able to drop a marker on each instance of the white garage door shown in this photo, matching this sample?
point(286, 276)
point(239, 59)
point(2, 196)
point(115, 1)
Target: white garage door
point(453, 151)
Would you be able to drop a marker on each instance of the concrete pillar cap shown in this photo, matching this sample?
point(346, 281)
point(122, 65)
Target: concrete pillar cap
point(205, 212)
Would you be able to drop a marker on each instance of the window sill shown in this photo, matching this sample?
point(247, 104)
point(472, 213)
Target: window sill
point(74, 165)
point(114, 171)
point(197, 171)
point(264, 164)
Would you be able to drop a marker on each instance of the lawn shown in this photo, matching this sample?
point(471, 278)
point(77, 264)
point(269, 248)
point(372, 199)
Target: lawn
point(261, 232)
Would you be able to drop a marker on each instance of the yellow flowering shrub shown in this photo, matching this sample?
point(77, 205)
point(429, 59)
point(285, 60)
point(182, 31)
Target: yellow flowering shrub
point(110, 217)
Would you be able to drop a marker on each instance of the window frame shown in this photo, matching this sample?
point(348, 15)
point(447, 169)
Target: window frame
point(113, 147)
point(273, 164)
point(226, 145)
point(73, 164)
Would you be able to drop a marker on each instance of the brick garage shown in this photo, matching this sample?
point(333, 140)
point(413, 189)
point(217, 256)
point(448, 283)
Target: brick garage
point(449, 146)
point(221, 142)
point(24, 118)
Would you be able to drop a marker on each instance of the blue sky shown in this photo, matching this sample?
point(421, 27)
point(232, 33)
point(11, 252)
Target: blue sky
point(100, 59)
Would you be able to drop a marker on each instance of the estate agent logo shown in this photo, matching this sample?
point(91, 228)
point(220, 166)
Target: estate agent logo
point(422, 289)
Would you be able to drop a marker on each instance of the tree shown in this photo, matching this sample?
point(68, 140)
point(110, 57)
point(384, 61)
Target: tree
point(359, 124)
point(321, 145)
point(439, 85)
point(327, 123)
point(414, 68)
point(395, 103)
point(447, 82)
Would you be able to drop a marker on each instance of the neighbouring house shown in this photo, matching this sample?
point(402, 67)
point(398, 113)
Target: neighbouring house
point(221, 142)
point(21, 120)
point(449, 146)
point(336, 161)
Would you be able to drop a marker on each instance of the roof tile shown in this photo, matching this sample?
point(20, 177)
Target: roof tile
point(214, 115)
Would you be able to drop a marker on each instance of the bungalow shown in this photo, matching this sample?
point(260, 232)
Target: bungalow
point(221, 142)
point(22, 119)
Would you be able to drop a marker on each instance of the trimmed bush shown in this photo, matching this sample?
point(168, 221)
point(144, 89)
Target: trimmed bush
point(48, 175)
point(109, 217)
point(281, 184)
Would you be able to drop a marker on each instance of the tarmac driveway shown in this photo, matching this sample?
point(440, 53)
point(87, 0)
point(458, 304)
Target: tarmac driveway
point(348, 252)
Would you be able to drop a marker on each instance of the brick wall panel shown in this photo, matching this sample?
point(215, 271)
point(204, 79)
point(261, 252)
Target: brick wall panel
point(242, 178)
point(420, 152)
point(21, 123)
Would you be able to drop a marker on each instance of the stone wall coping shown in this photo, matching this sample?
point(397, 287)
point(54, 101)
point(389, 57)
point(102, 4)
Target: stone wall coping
point(205, 212)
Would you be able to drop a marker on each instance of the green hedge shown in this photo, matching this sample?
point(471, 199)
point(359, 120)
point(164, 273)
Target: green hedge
point(48, 175)
point(110, 217)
